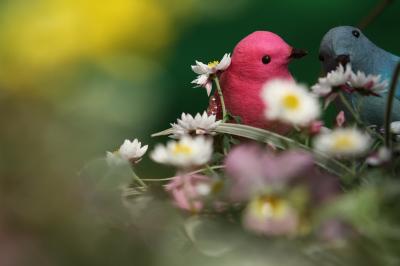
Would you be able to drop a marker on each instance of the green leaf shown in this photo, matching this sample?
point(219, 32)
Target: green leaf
point(211, 237)
point(282, 142)
point(103, 185)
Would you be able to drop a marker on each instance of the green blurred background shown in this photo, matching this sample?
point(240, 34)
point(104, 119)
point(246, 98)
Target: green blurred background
point(77, 77)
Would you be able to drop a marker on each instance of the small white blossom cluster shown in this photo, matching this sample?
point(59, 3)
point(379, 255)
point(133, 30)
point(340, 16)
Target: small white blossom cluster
point(193, 148)
point(343, 78)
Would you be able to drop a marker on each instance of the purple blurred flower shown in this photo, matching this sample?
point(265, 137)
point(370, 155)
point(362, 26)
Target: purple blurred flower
point(335, 230)
point(322, 187)
point(253, 169)
point(189, 191)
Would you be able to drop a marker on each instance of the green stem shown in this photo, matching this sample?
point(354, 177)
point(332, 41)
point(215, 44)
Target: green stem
point(357, 117)
point(209, 168)
point(349, 107)
point(389, 106)
point(158, 179)
point(137, 178)
point(212, 171)
point(221, 97)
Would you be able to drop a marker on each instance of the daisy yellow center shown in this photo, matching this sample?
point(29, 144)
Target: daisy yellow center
point(291, 102)
point(343, 142)
point(181, 149)
point(270, 207)
point(213, 64)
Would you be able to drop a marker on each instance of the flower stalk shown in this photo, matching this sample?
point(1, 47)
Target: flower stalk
point(389, 106)
point(221, 97)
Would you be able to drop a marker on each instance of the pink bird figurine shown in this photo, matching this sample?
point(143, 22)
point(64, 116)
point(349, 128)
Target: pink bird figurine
point(259, 57)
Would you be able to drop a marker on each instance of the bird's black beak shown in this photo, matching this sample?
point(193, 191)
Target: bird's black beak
point(342, 59)
point(298, 53)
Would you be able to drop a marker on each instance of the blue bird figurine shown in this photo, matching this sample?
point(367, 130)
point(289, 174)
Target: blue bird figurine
point(346, 44)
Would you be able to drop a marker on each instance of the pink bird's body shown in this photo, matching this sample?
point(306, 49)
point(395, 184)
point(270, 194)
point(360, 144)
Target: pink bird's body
point(256, 59)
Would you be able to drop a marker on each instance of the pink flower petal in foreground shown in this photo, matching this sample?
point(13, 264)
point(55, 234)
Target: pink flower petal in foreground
point(188, 191)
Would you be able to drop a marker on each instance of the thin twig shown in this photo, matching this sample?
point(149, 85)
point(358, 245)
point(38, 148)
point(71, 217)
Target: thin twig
point(375, 12)
point(389, 106)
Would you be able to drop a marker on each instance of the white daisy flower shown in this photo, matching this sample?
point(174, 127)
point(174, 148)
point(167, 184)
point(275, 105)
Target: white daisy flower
point(339, 76)
point(185, 153)
point(289, 102)
point(395, 127)
point(383, 155)
point(342, 142)
point(205, 72)
point(130, 151)
point(198, 125)
point(368, 84)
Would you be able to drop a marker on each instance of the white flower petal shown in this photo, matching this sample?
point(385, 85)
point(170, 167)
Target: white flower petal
point(368, 82)
point(321, 89)
point(201, 68)
point(188, 124)
point(225, 62)
point(208, 87)
point(201, 80)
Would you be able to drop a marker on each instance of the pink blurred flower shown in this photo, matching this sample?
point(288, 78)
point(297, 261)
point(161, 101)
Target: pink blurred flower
point(340, 119)
point(322, 186)
point(315, 127)
point(270, 215)
point(189, 191)
point(253, 169)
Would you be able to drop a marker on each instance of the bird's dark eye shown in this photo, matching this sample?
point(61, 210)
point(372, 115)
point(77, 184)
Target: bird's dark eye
point(266, 59)
point(321, 58)
point(356, 33)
